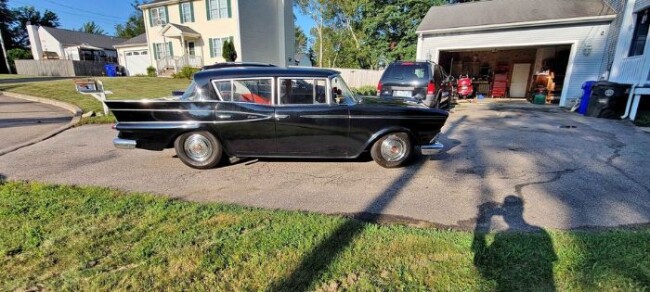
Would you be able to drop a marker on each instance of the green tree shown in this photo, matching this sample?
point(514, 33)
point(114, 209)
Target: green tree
point(134, 25)
point(228, 51)
point(301, 41)
point(25, 14)
point(6, 18)
point(92, 27)
point(18, 54)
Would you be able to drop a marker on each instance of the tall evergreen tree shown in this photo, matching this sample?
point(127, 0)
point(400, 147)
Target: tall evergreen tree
point(92, 27)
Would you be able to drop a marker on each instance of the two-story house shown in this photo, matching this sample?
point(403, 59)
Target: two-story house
point(632, 56)
point(192, 32)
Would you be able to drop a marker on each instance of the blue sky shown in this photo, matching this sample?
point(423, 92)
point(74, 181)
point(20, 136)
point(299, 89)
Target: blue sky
point(74, 13)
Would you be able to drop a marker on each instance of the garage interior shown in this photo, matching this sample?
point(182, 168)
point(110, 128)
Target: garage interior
point(530, 72)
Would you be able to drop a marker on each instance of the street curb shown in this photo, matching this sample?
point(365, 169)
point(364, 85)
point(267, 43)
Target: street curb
point(76, 117)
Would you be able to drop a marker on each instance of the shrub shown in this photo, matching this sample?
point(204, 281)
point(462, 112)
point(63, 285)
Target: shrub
point(367, 90)
point(229, 52)
point(151, 71)
point(186, 73)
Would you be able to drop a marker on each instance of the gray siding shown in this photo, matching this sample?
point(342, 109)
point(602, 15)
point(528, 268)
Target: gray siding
point(583, 68)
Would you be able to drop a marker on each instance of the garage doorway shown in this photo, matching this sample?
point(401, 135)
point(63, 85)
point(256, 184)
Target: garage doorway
point(136, 62)
point(526, 69)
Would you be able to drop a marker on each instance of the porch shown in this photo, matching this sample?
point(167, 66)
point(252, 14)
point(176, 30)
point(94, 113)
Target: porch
point(189, 40)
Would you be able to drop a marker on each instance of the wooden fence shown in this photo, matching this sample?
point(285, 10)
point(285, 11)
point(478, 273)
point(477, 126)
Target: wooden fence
point(63, 68)
point(359, 77)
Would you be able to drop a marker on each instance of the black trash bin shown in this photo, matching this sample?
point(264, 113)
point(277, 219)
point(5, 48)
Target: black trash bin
point(608, 100)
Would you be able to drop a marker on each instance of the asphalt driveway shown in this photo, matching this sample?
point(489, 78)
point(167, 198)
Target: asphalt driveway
point(22, 120)
point(571, 172)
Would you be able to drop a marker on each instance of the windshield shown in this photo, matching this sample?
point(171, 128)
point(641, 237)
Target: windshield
point(342, 91)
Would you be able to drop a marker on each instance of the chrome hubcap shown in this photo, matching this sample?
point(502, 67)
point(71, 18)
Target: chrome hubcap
point(198, 147)
point(393, 149)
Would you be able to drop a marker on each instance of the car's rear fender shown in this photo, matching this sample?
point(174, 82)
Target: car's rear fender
point(385, 131)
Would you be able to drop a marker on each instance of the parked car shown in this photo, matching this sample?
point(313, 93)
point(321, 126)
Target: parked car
point(277, 112)
point(422, 81)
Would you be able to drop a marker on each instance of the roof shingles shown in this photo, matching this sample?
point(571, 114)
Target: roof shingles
point(76, 38)
point(509, 11)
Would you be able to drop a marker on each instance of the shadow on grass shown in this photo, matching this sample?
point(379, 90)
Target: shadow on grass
point(514, 261)
point(314, 264)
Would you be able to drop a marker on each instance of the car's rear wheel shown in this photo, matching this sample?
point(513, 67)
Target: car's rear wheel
point(392, 150)
point(198, 149)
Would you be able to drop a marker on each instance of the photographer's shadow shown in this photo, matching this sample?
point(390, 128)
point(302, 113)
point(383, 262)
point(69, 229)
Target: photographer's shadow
point(519, 258)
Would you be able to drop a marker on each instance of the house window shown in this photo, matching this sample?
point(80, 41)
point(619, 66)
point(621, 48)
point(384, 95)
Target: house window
point(640, 33)
point(162, 50)
point(216, 45)
point(187, 13)
point(218, 9)
point(158, 16)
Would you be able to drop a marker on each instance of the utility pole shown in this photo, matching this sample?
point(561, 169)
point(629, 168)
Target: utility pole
point(4, 52)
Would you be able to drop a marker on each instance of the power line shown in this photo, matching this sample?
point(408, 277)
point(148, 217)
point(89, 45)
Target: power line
point(87, 11)
point(106, 20)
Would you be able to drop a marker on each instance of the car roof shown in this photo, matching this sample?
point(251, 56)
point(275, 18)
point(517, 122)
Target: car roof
point(256, 71)
point(236, 64)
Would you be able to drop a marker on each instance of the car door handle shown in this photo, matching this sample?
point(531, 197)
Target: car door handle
point(223, 117)
point(279, 117)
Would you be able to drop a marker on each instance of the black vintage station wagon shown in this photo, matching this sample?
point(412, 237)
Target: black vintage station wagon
point(252, 111)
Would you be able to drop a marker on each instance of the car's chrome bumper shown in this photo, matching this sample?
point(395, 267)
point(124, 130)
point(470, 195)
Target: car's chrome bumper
point(434, 147)
point(124, 143)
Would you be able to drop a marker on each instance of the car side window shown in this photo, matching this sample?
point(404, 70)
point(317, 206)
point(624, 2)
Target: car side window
point(258, 91)
point(295, 91)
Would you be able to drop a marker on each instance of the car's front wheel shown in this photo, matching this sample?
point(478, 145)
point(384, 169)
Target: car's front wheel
point(392, 150)
point(199, 149)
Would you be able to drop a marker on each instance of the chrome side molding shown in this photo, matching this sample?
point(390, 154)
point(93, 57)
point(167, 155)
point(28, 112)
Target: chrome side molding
point(124, 143)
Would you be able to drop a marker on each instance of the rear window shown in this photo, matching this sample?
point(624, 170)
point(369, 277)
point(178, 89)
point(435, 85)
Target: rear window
point(408, 71)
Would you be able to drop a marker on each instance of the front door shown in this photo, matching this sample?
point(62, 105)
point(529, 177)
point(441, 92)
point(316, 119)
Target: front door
point(190, 48)
point(519, 81)
point(307, 124)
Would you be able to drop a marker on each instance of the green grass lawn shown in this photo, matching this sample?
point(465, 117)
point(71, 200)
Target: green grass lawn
point(15, 76)
point(122, 88)
point(74, 238)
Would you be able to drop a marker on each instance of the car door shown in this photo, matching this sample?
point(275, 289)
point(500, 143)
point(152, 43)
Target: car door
point(306, 122)
point(244, 120)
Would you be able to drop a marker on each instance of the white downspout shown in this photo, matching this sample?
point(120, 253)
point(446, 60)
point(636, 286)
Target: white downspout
point(629, 102)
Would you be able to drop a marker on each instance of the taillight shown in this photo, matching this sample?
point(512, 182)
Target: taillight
point(114, 127)
point(379, 87)
point(431, 88)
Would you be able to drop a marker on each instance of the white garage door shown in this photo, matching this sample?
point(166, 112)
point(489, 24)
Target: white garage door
point(136, 62)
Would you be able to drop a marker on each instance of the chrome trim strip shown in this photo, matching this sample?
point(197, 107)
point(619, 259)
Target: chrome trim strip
point(124, 143)
point(325, 116)
point(160, 110)
point(191, 122)
point(396, 117)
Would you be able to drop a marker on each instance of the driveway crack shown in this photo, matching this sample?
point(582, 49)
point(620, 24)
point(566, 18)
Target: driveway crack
point(557, 175)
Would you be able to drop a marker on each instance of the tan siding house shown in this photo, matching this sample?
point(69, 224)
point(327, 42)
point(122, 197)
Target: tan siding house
point(191, 33)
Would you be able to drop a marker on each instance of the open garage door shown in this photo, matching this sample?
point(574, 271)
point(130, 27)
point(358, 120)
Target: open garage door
point(136, 62)
point(514, 72)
